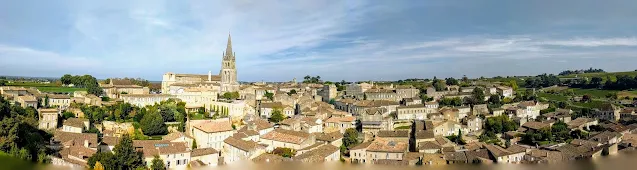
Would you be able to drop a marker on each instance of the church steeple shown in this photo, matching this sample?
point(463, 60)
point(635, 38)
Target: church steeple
point(229, 47)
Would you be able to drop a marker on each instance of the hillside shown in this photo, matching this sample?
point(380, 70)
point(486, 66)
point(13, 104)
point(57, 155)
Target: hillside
point(613, 75)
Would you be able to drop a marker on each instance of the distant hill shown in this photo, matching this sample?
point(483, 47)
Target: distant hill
point(613, 75)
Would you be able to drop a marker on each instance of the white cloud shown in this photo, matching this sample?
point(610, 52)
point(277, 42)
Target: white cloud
point(593, 42)
point(27, 61)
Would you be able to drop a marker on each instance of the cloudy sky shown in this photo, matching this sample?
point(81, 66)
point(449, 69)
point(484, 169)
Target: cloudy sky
point(277, 40)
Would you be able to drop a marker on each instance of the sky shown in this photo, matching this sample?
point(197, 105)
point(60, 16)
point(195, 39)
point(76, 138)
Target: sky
point(353, 40)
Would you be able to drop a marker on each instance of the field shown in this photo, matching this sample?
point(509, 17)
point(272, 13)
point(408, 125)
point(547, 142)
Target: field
point(596, 93)
point(591, 104)
point(553, 97)
point(49, 88)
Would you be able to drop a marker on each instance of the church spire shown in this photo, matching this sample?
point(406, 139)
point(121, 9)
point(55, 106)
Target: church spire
point(229, 47)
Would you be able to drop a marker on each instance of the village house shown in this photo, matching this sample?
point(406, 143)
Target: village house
point(473, 123)
point(412, 101)
point(323, 153)
point(178, 137)
point(75, 125)
point(445, 128)
point(381, 149)
point(513, 154)
point(394, 135)
point(253, 123)
point(66, 139)
point(582, 123)
point(433, 159)
point(328, 92)
point(48, 118)
point(340, 124)
point(357, 90)
point(27, 101)
point(408, 92)
point(267, 109)
point(59, 100)
point(281, 138)
point(432, 105)
point(505, 91)
point(410, 112)
point(143, 100)
point(543, 156)
point(206, 156)
point(608, 112)
point(236, 149)
point(301, 123)
point(333, 138)
point(73, 157)
point(115, 87)
point(117, 129)
point(358, 153)
point(211, 133)
point(174, 154)
point(382, 94)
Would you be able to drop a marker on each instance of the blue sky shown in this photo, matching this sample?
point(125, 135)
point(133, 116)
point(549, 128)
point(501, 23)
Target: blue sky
point(277, 40)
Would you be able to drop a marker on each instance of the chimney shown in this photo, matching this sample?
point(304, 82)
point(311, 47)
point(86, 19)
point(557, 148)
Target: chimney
point(86, 143)
point(209, 75)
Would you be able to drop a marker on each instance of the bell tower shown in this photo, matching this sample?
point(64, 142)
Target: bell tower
point(228, 70)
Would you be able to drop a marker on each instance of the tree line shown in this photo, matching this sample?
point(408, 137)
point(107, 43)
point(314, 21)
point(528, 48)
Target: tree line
point(86, 81)
point(622, 82)
point(151, 118)
point(589, 70)
point(19, 133)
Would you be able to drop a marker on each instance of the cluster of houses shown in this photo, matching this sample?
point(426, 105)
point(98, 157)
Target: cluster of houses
point(396, 125)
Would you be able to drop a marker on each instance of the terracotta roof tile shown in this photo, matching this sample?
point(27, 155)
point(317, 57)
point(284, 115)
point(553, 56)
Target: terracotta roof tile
point(287, 136)
point(241, 144)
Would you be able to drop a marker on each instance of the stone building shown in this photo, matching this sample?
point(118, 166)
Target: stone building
point(226, 80)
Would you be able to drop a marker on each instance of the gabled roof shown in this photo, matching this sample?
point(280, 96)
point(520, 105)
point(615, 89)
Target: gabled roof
point(287, 136)
point(245, 145)
point(318, 154)
point(382, 145)
point(328, 137)
point(214, 126)
point(393, 134)
point(203, 151)
point(75, 122)
point(75, 138)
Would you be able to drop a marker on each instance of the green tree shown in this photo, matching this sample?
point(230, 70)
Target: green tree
point(66, 79)
point(350, 137)
point(106, 160)
point(194, 144)
point(439, 85)
point(277, 116)
point(284, 152)
point(153, 124)
point(269, 95)
point(495, 99)
point(158, 164)
point(231, 95)
point(514, 85)
point(67, 115)
point(451, 81)
point(46, 101)
point(126, 156)
point(291, 92)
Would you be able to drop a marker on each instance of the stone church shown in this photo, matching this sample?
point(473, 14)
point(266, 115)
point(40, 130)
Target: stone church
point(226, 81)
